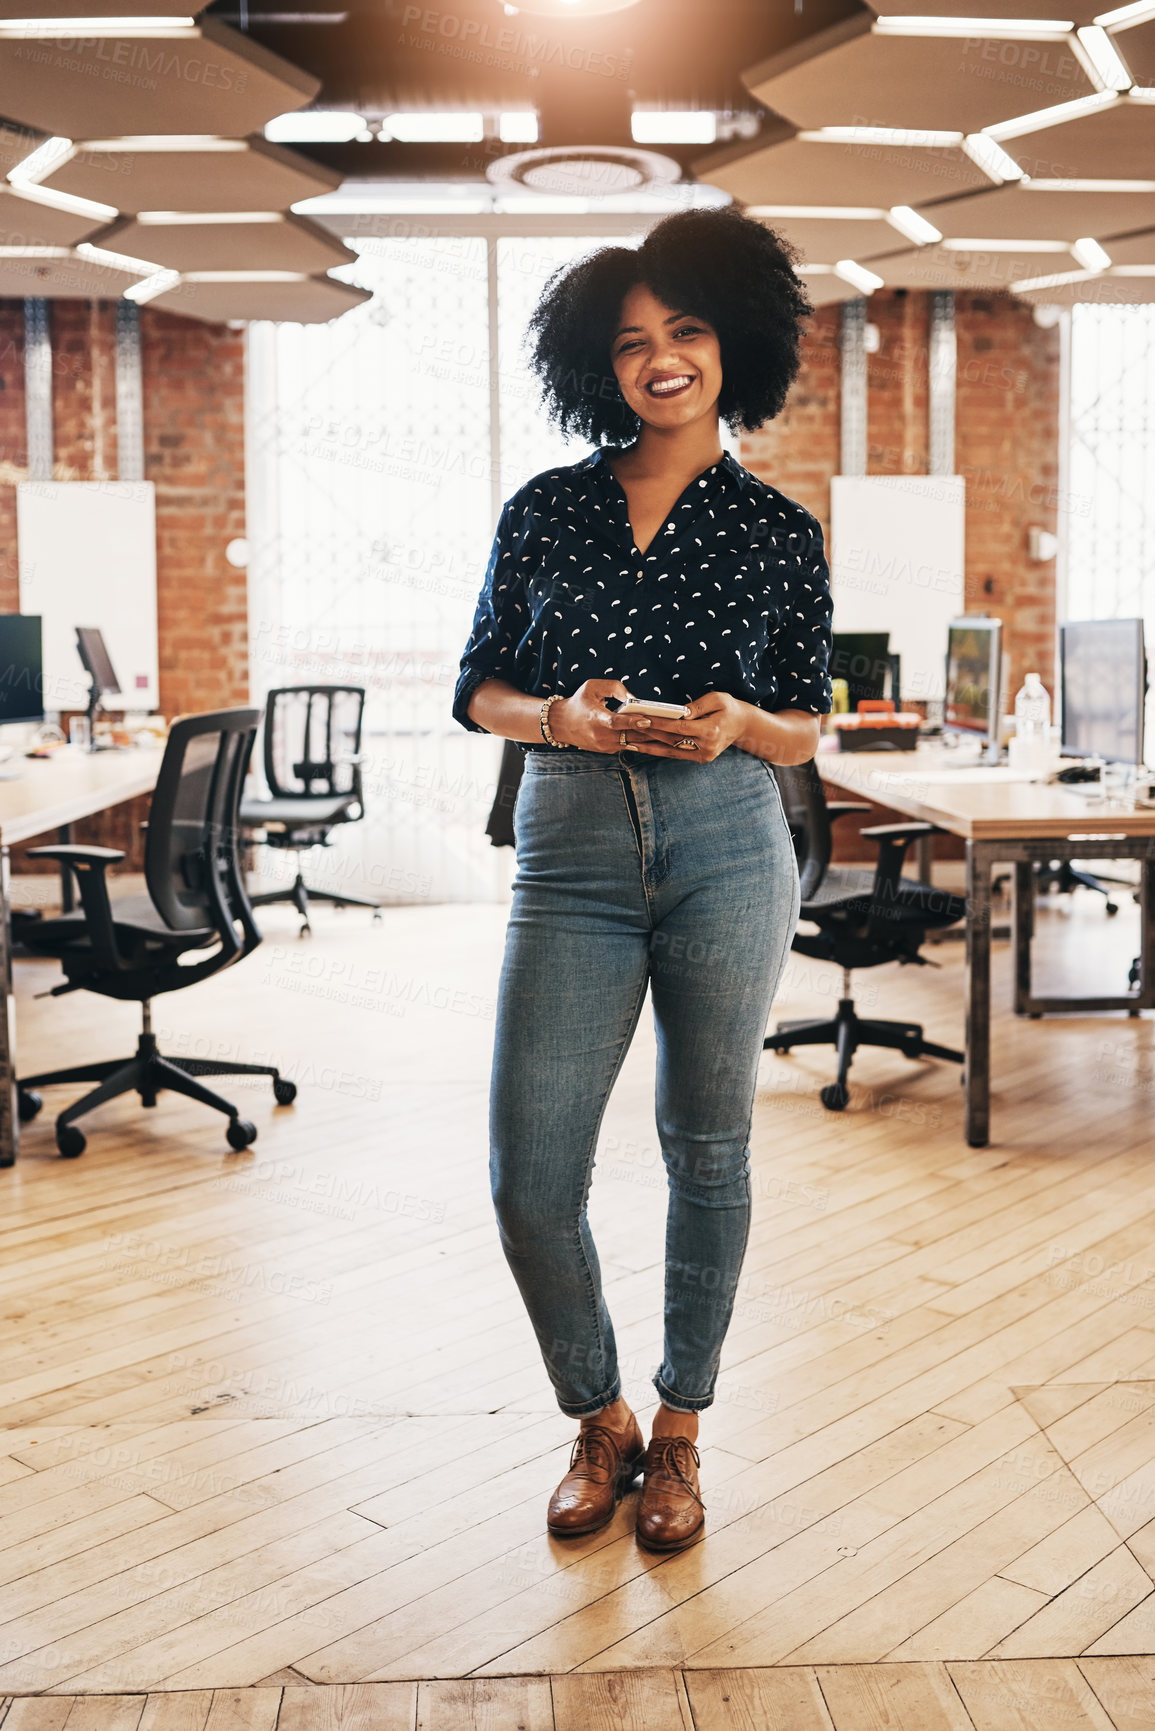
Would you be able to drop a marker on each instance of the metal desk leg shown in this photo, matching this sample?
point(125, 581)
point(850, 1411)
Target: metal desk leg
point(977, 1074)
point(9, 1117)
point(924, 855)
point(1023, 930)
point(67, 895)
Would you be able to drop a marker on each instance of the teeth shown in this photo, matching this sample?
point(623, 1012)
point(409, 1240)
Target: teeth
point(660, 388)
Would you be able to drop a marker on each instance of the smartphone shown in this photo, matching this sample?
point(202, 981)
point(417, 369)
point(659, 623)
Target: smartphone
point(648, 706)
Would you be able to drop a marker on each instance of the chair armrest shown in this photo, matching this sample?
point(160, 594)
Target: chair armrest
point(841, 807)
point(89, 866)
point(898, 831)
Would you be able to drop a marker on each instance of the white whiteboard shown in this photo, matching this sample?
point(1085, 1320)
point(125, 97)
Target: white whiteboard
point(897, 565)
point(88, 557)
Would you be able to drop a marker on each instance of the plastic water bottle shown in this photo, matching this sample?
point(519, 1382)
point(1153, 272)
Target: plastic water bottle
point(1032, 724)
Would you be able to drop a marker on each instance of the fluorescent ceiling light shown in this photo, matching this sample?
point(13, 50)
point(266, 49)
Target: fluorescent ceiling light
point(66, 201)
point(904, 137)
point(314, 126)
point(517, 126)
point(838, 212)
point(42, 160)
point(1004, 246)
point(1055, 116)
point(153, 285)
point(815, 270)
point(1050, 29)
point(673, 126)
point(244, 276)
point(428, 128)
point(97, 26)
point(1133, 270)
point(913, 226)
point(1091, 185)
point(373, 204)
point(857, 275)
point(991, 157)
point(1100, 58)
point(34, 252)
point(175, 218)
point(1058, 280)
point(1090, 254)
point(115, 260)
point(1136, 13)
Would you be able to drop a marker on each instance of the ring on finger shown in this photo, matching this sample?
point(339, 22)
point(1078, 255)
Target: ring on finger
point(688, 744)
point(622, 736)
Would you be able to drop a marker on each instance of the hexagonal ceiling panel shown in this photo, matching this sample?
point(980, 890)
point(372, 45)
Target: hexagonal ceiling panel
point(1104, 290)
point(1137, 46)
point(1113, 142)
point(824, 240)
point(1136, 250)
point(936, 267)
point(133, 174)
point(917, 82)
point(25, 221)
point(1022, 210)
point(64, 277)
point(285, 243)
point(310, 301)
point(825, 289)
point(800, 172)
point(204, 79)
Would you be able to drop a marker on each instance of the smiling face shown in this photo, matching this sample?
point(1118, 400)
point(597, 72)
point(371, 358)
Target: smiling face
point(668, 363)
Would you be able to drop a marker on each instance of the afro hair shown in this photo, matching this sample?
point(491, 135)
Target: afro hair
point(720, 265)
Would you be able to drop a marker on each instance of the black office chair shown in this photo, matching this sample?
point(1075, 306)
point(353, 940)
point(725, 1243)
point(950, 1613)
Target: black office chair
point(312, 763)
point(135, 948)
point(864, 918)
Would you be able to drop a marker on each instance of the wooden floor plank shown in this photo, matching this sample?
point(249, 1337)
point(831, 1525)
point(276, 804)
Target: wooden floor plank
point(882, 1697)
point(350, 1707)
point(1028, 1695)
point(788, 1699)
point(183, 1710)
point(625, 1701)
point(1126, 1689)
point(243, 1710)
point(498, 1704)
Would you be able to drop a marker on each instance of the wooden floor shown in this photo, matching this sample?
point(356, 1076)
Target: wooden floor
point(275, 1422)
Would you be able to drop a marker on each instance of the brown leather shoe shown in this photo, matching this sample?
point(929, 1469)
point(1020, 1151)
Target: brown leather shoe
point(604, 1463)
point(671, 1513)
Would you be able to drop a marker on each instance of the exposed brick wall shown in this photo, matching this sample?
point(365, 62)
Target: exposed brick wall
point(194, 451)
point(1006, 446)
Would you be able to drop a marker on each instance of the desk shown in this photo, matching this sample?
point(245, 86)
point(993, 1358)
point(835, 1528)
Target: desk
point(52, 792)
point(1003, 816)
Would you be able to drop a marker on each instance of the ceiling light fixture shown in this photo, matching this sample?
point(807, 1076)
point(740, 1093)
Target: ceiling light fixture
point(1100, 58)
point(157, 284)
point(955, 245)
point(430, 128)
point(517, 126)
point(1049, 29)
point(1091, 185)
point(836, 212)
point(1057, 115)
point(115, 260)
point(34, 252)
point(158, 141)
point(42, 160)
point(673, 126)
point(582, 171)
point(992, 158)
point(1090, 254)
point(857, 275)
point(1058, 280)
point(315, 126)
point(902, 136)
point(913, 226)
point(1133, 270)
point(175, 218)
point(66, 201)
point(88, 28)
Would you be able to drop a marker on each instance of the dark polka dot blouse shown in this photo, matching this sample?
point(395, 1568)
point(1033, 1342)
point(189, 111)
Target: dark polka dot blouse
point(732, 594)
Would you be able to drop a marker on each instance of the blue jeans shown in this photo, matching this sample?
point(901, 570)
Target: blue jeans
point(635, 870)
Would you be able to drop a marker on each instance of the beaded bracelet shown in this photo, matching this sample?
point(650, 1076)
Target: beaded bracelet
point(544, 719)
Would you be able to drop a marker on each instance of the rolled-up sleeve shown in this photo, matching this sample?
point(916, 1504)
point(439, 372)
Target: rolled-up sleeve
point(498, 623)
point(801, 646)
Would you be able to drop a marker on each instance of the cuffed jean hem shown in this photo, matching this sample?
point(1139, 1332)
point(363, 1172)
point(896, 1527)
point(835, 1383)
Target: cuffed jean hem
point(682, 1402)
point(592, 1405)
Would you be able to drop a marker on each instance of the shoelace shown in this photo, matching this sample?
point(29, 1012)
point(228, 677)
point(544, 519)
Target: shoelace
point(669, 1459)
point(584, 1462)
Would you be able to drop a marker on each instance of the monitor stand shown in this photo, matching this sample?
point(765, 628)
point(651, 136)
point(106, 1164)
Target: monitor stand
point(94, 696)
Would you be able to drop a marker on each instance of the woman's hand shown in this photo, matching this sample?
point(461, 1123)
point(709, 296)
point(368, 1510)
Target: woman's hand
point(714, 722)
point(584, 721)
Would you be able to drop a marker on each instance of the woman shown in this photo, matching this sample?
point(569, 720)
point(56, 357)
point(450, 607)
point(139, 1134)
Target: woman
point(653, 852)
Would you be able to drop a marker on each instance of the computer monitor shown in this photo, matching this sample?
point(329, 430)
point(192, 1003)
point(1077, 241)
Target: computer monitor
point(21, 668)
point(94, 656)
point(863, 659)
point(1103, 683)
point(973, 659)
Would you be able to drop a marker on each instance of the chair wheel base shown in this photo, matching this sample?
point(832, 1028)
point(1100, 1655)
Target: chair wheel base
point(241, 1132)
point(28, 1104)
point(70, 1141)
point(835, 1097)
point(284, 1092)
